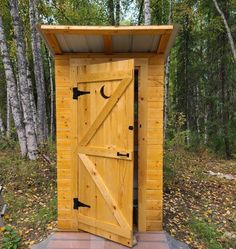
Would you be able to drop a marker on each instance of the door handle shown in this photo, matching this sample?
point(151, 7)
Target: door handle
point(123, 154)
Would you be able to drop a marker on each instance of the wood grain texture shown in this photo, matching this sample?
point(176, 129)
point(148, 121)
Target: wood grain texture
point(102, 131)
point(150, 141)
point(154, 179)
point(63, 124)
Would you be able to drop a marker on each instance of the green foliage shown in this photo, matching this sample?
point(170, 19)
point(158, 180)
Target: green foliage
point(172, 166)
point(7, 143)
point(176, 133)
point(45, 215)
point(206, 232)
point(11, 238)
point(202, 83)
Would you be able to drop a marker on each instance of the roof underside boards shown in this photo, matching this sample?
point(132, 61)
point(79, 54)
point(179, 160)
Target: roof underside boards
point(108, 39)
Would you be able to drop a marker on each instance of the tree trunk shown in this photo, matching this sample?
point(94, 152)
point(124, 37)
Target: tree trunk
point(186, 77)
point(140, 12)
point(32, 100)
point(39, 74)
point(224, 108)
point(2, 128)
point(111, 12)
point(24, 89)
point(51, 98)
point(8, 132)
point(230, 38)
point(197, 110)
point(205, 125)
point(167, 80)
point(147, 12)
point(12, 92)
point(117, 12)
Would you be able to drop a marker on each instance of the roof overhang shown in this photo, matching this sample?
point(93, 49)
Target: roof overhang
point(109, 39)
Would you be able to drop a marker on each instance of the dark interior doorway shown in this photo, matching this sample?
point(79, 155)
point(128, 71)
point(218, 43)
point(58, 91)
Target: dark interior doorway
point(135, 200)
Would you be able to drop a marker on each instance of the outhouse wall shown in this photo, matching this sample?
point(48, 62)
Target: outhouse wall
point(150, 175)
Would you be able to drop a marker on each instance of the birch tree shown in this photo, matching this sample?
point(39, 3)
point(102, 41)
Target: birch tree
point(167, 78)
point(38, 73)
point(147, 12)
point(51, 97)
point(23, 83)
point(32, 100)
point(12, 92)
point(229, 34)
point(2, 128)
point(8, 115)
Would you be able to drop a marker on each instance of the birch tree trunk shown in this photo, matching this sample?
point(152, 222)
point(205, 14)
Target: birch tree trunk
point(38, 73)
point(167, 80)
point(2, 128)
point(12, 92)
point(51, 97)
point(147, 12)
point(24, 88)
point(32, 100)
point(8, 115)
point(230, 38)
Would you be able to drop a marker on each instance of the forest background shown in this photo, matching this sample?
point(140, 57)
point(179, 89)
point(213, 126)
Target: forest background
point(200, 72)
point(199, 114)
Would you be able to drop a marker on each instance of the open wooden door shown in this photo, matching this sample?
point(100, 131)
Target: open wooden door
point(105, 149)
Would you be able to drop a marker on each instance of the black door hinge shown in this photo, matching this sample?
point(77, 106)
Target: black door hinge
point(78, 204)
point(77, 92)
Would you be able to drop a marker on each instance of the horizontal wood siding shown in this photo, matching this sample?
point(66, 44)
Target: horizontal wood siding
point(154, 143)
point(63, 125)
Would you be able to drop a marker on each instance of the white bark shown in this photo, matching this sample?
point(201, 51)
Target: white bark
point(24, 89)
point(12, 91)
point(8, 115)
point(2, 128)
point(229, 34)
point(167, 80)
point(147, 12)
point(38, 72)
point(51, 98)
point(32, 100)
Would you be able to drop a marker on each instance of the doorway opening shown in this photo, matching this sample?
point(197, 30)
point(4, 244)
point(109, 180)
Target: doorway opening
point(135, 186)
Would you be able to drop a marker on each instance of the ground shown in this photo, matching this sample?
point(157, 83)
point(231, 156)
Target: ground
point(30, 193)
point(199, 209)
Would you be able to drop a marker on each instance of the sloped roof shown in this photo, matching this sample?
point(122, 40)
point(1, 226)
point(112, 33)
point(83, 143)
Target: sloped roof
point(108, 39)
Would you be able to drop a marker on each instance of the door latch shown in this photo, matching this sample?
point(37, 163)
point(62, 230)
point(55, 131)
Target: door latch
point(123, 154)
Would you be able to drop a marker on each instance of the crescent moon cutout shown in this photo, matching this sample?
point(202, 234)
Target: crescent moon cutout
point(103, 94)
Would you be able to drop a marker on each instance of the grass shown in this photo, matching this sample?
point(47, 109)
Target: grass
point(206, 232)
point(30, 193)
point(44, 215)
point(190, 192)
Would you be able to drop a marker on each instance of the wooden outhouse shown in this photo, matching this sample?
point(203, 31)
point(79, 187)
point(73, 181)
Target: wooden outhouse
point(109, 122)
